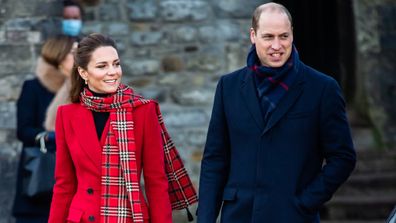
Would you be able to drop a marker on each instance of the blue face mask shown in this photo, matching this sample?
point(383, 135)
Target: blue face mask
point(71, 27)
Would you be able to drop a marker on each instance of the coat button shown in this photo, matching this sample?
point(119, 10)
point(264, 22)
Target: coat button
point(91, 218)
point(90, 191)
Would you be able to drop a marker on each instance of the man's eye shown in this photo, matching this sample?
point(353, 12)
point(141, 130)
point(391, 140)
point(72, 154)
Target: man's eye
point(284, 36)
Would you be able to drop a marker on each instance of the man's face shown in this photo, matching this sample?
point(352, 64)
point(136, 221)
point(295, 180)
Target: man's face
point(71, 12)
point(273, 38)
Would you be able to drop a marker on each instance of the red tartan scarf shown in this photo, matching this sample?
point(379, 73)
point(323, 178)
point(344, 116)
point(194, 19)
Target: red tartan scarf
point(120, 201)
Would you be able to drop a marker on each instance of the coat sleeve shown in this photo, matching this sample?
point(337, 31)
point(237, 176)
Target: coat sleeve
point(337, 147)
point(65, 178)
point(155, 179)
point(215, 162)
point(27, 116)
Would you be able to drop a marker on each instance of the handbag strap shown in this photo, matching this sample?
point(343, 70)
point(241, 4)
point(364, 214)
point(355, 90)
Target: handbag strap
point(41, 138)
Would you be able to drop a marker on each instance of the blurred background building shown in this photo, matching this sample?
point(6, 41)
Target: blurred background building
point(175, 51)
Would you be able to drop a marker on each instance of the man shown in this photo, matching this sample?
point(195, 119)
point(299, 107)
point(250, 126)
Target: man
point(72, 18)
point(274, 123)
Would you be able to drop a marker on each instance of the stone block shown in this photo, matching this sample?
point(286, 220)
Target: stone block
point(182, 11)
point(24, 8)
point(20, 24)
point(172, 63)
point(49, 8)
point(92, 27)
point(7, 115)
point(184, 34)
point(10, 87)
point(155, 93)
point(109, 12)
point(186, 117)
point(172, 79)
point(193, 96)
point(145, 38)
point(140, 81)
point(142, 67)
point(48, 27)
point(194, 137)
point(34, 37)
point(12, 68)
point(118, 29)
point(235, 54)
point(205, 61)
point(142, 11)
point(236, 8)
point(15, 59)
point(2, 37)
point(4, 11)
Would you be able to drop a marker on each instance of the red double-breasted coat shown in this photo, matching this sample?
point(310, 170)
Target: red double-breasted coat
point(77, 195)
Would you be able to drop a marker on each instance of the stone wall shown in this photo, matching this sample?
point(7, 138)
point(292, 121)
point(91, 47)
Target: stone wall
point(171, 50)
point(376, 67)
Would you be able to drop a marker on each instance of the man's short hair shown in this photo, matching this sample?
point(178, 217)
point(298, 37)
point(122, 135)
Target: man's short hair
point(269, 6)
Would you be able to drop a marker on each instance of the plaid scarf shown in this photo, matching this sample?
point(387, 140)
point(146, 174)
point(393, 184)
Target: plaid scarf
point(120, 200)
point(272, 83)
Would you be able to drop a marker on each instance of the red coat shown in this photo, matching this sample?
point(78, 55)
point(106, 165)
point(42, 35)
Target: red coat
point(76, 195)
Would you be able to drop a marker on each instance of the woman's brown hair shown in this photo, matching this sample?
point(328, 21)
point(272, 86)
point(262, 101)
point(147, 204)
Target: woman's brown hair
point(81, 59)
point(56, 48)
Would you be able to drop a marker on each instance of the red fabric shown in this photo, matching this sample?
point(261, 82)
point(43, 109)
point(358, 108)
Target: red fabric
point(120, 199)
point(78, 166)
point(121, 139)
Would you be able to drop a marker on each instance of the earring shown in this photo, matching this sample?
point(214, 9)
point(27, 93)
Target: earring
point(86, 82)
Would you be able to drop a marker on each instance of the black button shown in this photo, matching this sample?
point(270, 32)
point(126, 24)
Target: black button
point(90, 191)
point(91, 218)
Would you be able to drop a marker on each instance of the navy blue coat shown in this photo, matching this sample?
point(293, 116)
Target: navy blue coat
point(31, 111)
point(258, 172)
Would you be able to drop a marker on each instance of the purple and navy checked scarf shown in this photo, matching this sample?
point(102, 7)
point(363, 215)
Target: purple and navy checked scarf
point(272, 83)
point(120, 201)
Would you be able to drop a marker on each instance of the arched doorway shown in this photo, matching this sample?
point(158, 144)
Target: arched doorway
point(325, 38)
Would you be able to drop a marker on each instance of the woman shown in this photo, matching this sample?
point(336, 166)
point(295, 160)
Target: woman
point(53, 67)
point(104, 140)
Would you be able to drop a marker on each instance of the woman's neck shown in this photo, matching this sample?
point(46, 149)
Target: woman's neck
point(96, 94)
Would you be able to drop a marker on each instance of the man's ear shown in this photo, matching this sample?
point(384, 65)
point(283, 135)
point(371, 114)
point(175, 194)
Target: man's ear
point(252, 36)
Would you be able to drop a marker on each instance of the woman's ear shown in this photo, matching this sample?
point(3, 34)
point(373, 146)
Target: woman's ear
point(82, 72)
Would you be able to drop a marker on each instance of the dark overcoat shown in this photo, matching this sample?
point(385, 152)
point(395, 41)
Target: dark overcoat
point(31, 110)
point(282, 170)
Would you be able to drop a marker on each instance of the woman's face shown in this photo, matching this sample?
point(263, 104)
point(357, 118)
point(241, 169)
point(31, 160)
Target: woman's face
point(103, 73)
point(67, 64)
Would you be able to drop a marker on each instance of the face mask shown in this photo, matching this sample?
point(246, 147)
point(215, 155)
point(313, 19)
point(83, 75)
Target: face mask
point(71, 27)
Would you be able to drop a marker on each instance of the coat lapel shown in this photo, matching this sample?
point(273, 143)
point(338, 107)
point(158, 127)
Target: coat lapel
point(249, 95)
point(84, 128)
point(286, 102)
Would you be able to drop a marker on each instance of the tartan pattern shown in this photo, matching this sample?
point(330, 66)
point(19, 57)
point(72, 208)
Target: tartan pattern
point(272, 83)
point(181, 191)
point(120, 181)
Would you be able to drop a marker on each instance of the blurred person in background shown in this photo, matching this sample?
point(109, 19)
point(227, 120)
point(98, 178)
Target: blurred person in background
point(72, 18)
point(34, 119)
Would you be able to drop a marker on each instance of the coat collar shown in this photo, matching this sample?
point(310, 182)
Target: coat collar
point(249, 95)
point(86, 135)
point(49, 76)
